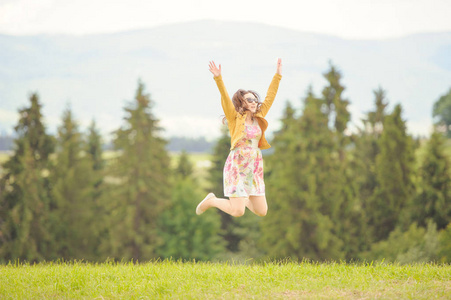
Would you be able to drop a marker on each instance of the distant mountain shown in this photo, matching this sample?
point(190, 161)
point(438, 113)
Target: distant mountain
point(98, 74)
point(200, 145)
point(175, 144)
point(6, 143)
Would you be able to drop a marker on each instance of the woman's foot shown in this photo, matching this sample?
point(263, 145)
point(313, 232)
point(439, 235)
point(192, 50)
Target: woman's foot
point(203, 205)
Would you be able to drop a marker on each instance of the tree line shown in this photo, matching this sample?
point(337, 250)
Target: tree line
point(333, 194)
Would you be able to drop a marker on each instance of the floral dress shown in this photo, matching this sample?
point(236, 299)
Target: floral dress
point(243, 170)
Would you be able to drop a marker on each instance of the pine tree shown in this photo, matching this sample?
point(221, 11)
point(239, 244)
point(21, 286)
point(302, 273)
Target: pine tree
point(24, 234)
point(296, 225)
point(336, 106)
point(341, 203)
point(364, 158)
point(94, 147)
point(281, 229)
point(394, 171)
point(434, 198)
point(73, 207)
point(140, 187)
point(184, 234)
point(185, 167)
point(375, 119)
point(24, 189)
point(442, 112)
point(94, 152)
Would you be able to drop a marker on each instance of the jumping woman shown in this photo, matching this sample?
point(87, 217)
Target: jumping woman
point(243, 169)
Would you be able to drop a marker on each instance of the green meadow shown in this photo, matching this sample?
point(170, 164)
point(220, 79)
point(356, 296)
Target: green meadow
point(214, 280)
point(4, 155)
point(207, 280)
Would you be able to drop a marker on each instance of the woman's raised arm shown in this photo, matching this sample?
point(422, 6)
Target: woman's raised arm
point(272, 91)
point(226, 102)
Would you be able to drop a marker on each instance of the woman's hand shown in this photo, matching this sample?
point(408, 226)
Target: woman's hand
point(213, 69)
point(279, 66)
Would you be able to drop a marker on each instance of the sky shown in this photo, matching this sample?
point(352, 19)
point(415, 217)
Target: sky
point(350, 19)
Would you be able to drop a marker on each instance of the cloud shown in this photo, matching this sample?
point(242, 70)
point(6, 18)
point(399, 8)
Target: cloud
point(8, 120)
point(348, 18)
point(21, 16)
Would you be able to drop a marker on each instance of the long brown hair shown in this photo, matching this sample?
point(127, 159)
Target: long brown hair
point(239, 101)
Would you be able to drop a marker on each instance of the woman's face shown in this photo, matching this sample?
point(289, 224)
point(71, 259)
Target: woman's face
point(252, 106)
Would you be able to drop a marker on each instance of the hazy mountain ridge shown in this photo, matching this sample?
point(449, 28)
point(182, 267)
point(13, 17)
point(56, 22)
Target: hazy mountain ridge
point(98, 74)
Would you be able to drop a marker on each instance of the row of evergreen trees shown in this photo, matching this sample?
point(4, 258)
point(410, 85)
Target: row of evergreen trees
point(331, 194)
point(374, 194)
point(60, 199)
point(348, 193)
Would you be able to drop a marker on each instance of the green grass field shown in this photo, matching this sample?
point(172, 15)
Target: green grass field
point(201, 163)
point(4, 155)
point(189, 280)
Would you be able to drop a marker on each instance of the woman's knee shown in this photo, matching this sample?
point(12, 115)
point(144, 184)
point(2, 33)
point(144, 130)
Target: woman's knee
point(259, 205)
point(238, 212)
point(262, 211)
point(238, 206)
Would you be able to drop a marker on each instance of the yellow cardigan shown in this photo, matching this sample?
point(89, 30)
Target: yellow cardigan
point(236, 120)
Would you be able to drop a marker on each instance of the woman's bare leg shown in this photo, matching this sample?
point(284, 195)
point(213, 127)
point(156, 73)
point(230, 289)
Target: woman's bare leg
point(257, 205)
point(234, 207)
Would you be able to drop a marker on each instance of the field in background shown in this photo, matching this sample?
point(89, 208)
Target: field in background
point(4, 155)
point(189, 280)
point(201, 161)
